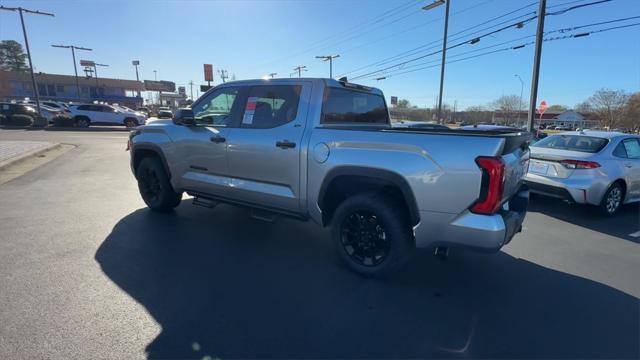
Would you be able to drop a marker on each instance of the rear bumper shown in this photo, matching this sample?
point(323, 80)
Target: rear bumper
point(486, 233)
point(581, 190)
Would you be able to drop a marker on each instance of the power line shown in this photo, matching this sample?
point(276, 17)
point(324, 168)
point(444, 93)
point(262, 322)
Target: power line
point(475, 40)
point(357, 27)
point(426, 47)
point(564, 37)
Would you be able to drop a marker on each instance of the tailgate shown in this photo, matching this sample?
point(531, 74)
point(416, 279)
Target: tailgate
point(516, 159)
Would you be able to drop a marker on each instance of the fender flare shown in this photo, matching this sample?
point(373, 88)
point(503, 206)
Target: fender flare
point(386, 175)
point(155, 149)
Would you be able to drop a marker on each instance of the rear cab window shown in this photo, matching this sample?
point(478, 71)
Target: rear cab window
point(347, 106)
point(580, 143)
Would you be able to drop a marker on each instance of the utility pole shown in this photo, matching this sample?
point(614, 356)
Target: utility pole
point(520, 103)
point(191, 85)
point(224, 75)
point(536, 65)
point(272, 75)
point(155, 75)
point(329, 58)
point(299, 70)
point(26, 44)
point(75, 67)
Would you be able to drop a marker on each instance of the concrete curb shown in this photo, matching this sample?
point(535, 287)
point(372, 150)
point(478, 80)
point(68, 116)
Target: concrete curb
point(27, 155)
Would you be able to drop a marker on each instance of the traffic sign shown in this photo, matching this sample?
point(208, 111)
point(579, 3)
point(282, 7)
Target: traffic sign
point(543, 107)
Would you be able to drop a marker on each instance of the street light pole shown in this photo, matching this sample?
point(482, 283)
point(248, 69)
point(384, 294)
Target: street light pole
point(272, 75)
point(536, 65)
point(75, 67)
point(520, 103)
point(135, 63)
point(444, 49)
point(329, 58)
point(155, 75)
point(26, 44)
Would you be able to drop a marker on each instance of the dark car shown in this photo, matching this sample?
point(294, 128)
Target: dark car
point(8, 109)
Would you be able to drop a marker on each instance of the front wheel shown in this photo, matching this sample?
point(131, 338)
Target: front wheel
point(154, 185)
point(372, 234)
point(612, 200)
point(130, 123)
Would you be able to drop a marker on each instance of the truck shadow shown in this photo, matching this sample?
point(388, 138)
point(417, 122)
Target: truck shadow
point(222, 284)
point(625, 222)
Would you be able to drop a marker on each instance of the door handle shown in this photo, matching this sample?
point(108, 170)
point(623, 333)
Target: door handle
point(217, 139)
point(284, 144)
point(628, 165)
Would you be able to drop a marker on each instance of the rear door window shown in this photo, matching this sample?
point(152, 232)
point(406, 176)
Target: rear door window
point(271, 106)
point(343, 106)
point(632, 147)
point(580, 143)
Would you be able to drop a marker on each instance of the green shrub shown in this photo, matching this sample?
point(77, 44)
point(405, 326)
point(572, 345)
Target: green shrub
point(63, 121)
point(20, 120)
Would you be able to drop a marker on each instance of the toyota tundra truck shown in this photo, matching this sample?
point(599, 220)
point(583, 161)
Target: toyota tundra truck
point(324, 150)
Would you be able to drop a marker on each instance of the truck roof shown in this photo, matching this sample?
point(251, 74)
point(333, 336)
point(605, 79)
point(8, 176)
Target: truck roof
point(320, 81)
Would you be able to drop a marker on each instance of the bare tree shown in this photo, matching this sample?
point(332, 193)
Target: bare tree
point(631, 117)
point(476, 114)
point(557, 107)
point(583, 107)
point(508, 105)
point(403, 104)
point(609, 106)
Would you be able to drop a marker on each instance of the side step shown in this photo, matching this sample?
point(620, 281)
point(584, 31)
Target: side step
point(205, 202)
point(264, 215)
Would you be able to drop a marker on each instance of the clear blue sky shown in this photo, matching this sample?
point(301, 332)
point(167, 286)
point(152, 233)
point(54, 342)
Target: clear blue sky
point(254, 38)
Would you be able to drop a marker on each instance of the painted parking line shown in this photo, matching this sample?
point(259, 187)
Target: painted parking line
point(635, 234)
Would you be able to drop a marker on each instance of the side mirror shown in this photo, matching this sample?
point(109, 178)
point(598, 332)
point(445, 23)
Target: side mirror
point(184, 117)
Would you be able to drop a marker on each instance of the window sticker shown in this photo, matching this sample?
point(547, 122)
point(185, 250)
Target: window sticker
point(249, 110)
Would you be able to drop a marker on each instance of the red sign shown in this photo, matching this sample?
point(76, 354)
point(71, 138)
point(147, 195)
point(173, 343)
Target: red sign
point(87, 63)
point(208, 72)
point(543, 107)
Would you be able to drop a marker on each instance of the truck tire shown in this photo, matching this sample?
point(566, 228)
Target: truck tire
point(154, 185)
point(372, 234)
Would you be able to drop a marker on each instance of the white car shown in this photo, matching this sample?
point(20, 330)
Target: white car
point(95, 114)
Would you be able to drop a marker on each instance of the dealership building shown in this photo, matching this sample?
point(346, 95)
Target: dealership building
point(17, 86)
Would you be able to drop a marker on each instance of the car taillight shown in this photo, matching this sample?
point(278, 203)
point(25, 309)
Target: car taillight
point(579, 164)
point(492, 185)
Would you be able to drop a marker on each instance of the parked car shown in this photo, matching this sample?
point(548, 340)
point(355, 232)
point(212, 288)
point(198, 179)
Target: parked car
point(50, 113)
point(325, 150)
point(165, 114)
point(55, 105)
point(8, 109)
point(95, 114)
point(596, 167)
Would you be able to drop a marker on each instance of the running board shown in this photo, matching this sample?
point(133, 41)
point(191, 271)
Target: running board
point(264, 215)
point(210, 204)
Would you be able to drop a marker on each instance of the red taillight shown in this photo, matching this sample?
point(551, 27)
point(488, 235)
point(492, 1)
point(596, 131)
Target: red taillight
point(579, 164)
point(492, 184)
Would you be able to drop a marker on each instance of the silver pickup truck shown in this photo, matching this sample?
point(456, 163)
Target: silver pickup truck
point(324, 150)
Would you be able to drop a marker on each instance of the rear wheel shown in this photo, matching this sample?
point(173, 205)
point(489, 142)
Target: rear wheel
point(612, 199)
point(154, 185)
point(82, 121)
point(372, 234)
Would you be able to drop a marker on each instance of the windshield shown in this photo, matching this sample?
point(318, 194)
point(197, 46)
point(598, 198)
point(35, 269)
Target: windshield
point(581, 143)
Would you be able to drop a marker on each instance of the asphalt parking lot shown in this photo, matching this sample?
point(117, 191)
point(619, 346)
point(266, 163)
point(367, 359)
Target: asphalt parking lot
point(86, 271)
